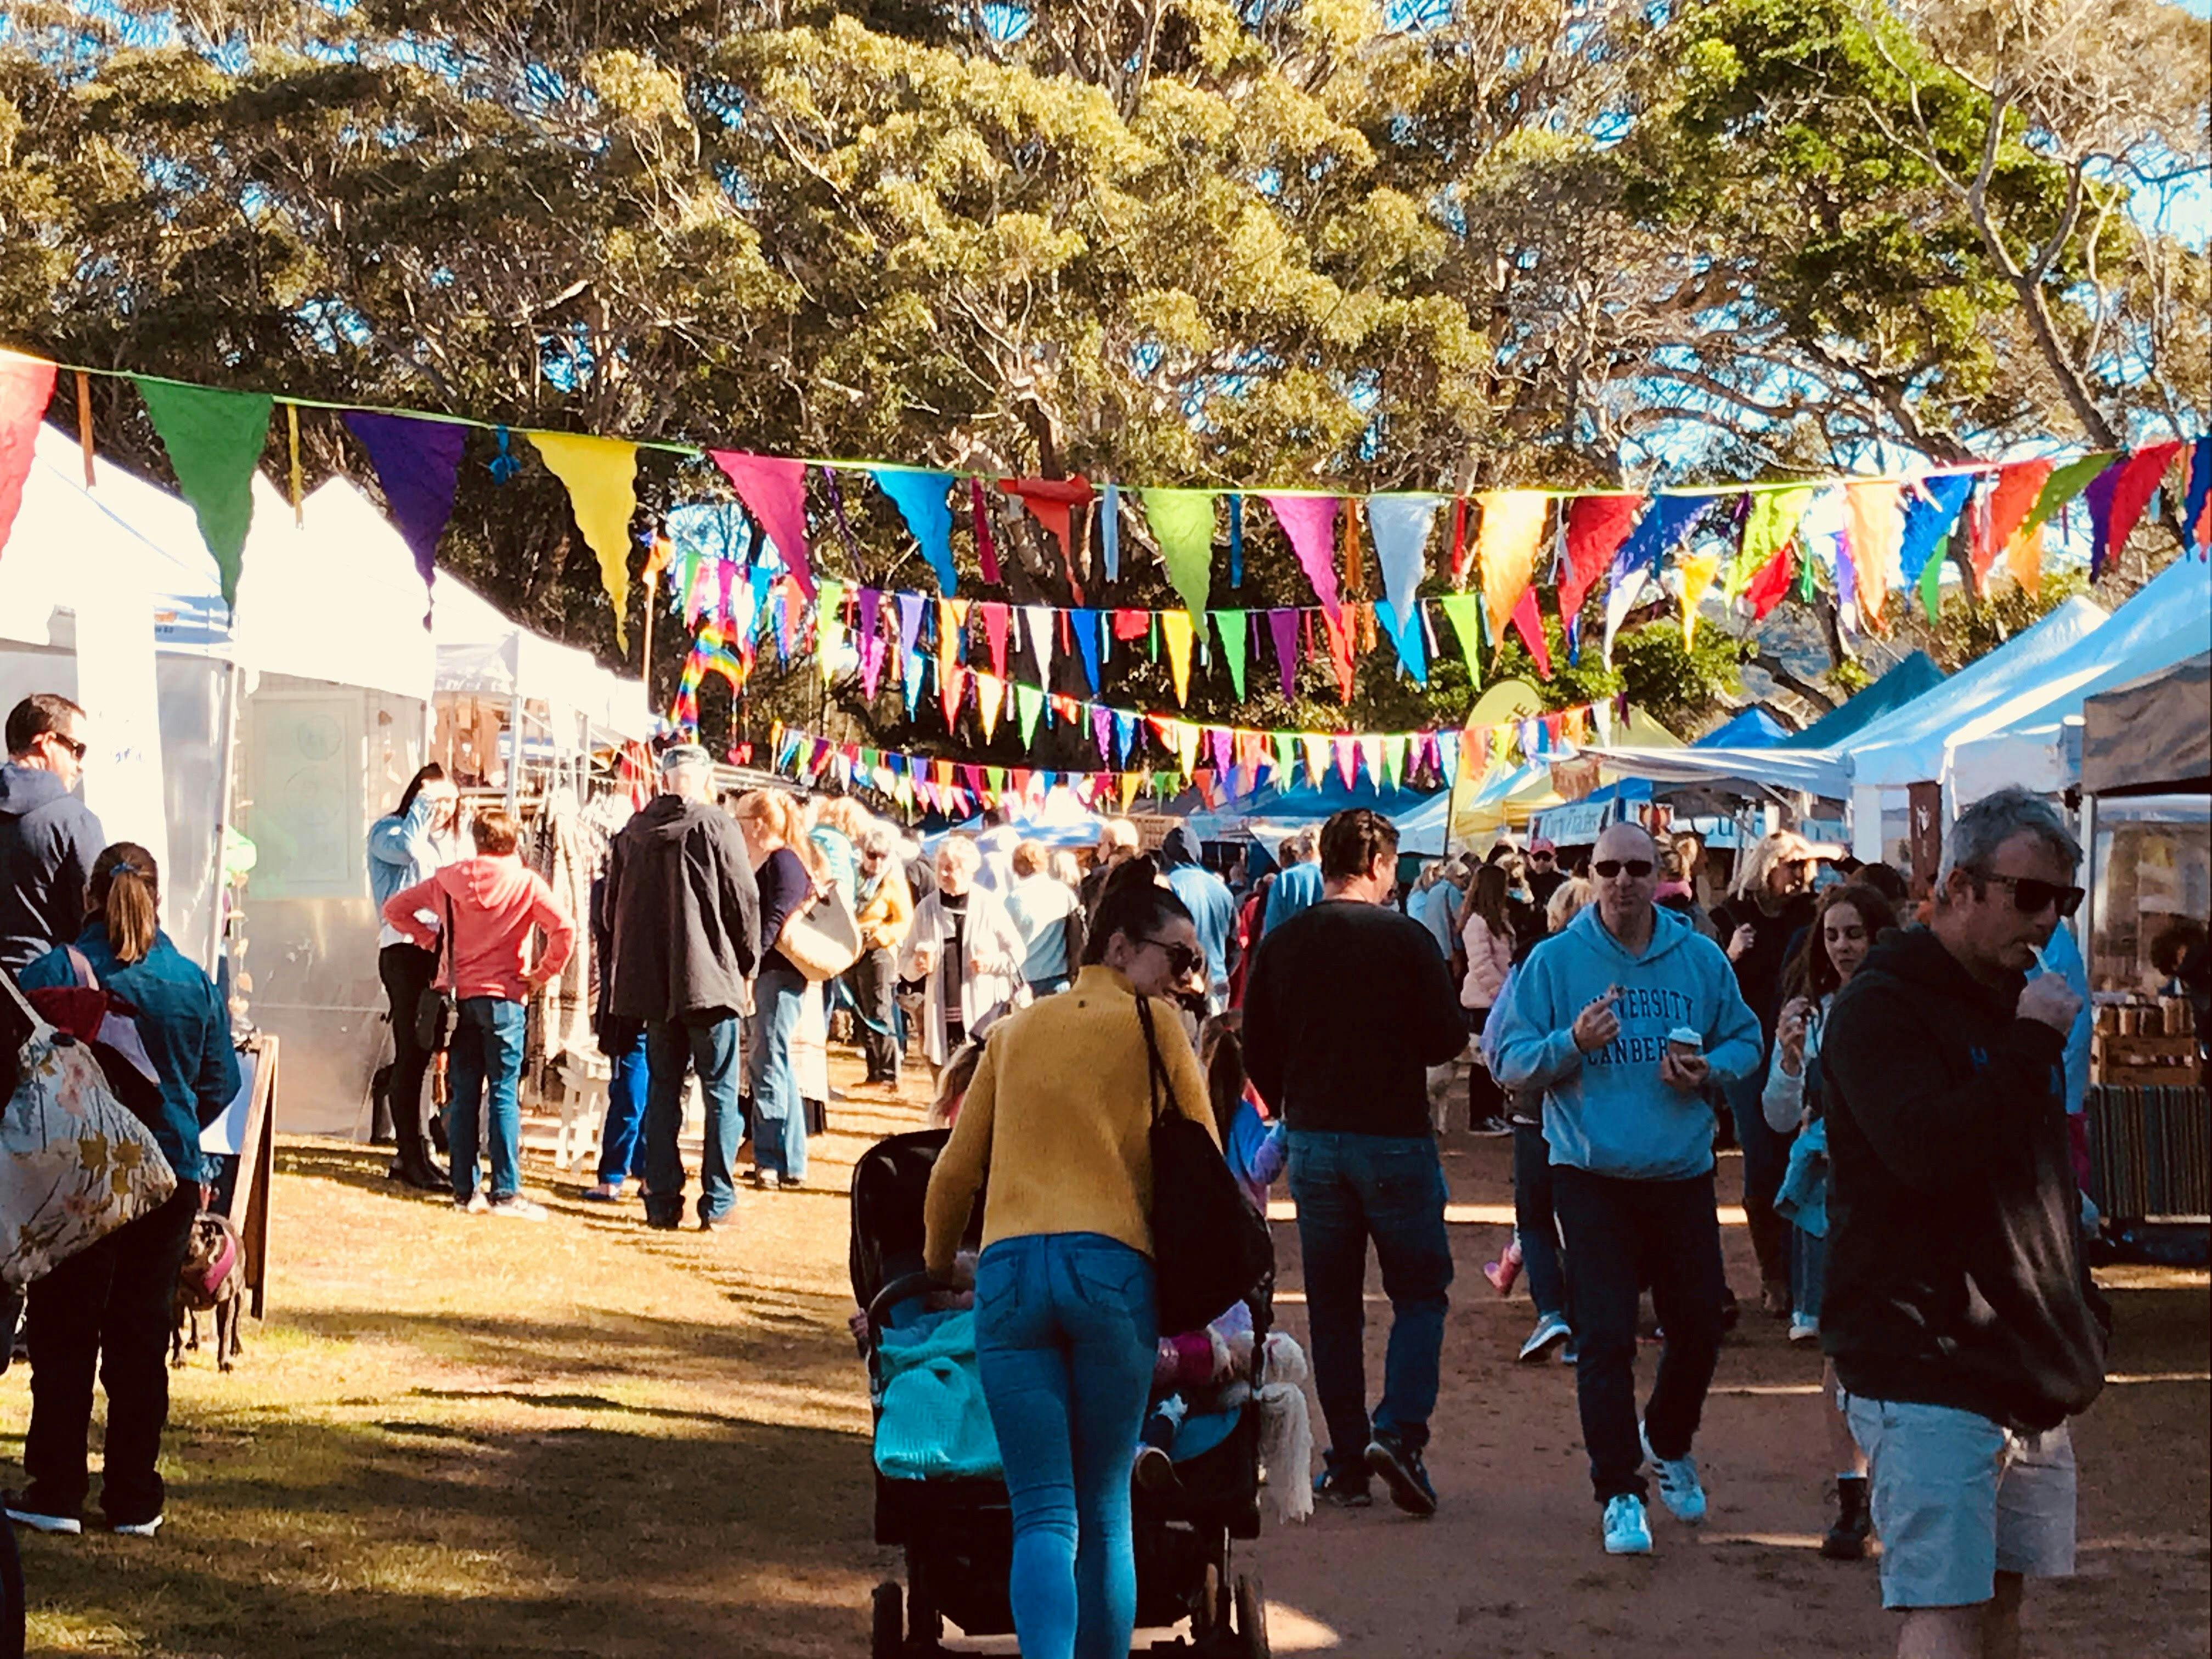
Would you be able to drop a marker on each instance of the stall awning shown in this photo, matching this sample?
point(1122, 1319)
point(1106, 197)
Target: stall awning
point(2151, 733)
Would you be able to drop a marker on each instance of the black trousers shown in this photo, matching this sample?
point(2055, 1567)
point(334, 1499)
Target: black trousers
point(874, 984)
point(108, 1308)
point(407, 971)
point(1620, 1236)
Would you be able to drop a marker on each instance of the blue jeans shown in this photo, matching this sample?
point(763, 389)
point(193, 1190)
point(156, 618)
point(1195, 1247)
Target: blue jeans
point(779, 1114)
point(1766, 1161)
point(487, 1049)
point(1065, 1337)
point(1534, 1223)
point(672, 1046)
point(1808, 1271)
point(622, 1140)
point(1350, 1189)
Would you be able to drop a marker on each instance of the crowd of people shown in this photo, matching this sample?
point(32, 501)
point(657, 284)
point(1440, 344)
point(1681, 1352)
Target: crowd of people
point(1898, 1079)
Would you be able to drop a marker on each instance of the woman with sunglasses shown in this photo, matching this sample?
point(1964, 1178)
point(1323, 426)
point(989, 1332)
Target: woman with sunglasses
point(1849, 920)
point(1059, 1110)
point(1769, 902)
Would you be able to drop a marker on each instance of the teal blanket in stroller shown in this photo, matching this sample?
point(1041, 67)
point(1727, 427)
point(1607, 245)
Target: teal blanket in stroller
point(931, 1420)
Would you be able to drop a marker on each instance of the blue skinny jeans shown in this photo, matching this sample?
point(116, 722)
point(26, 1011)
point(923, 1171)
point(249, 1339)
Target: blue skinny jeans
point(1065, 1337)
point(779, 1114)
point(486, 1057)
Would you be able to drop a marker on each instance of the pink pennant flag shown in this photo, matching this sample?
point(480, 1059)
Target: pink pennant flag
point(1310, 522)
point(774, 490)
point(985, 554)
point(26, 387)
point(1347, 759)
point(994, 631)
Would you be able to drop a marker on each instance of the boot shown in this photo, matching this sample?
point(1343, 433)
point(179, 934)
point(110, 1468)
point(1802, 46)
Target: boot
point(1847, 1538)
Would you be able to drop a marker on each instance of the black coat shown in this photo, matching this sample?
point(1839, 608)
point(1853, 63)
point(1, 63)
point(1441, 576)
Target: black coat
point(48, 841)
point(1954, 1264)
point(685, 914)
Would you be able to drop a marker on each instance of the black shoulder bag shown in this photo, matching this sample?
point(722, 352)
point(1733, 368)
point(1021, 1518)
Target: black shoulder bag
point(1210, 1247)
point(434, 1010)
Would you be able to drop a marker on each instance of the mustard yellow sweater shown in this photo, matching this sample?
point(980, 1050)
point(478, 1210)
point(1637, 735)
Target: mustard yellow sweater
point(1061, 1113)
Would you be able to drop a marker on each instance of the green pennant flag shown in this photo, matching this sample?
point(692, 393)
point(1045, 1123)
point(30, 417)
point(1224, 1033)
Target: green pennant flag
point(1394, 759)
point(1286, 758)
point(996, 777)
point(214, 440)
point(1182, 524)
point(1231, 626)
point(1767, 529)
point(1029, 704)
point(1931, 578)
point(1465, 612)
point(2063, 486)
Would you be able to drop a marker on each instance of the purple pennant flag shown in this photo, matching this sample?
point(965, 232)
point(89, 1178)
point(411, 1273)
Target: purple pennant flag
point(1224, 749)
point(1102, 727)
point(1282, 625)
point(871, 642)
point(417, 462)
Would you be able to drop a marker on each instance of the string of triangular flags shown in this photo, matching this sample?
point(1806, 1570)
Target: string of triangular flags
point(1220, 762)
point(1867, 535)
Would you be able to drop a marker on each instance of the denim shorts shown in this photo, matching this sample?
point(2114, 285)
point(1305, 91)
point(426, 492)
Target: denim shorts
point(1958, 1498)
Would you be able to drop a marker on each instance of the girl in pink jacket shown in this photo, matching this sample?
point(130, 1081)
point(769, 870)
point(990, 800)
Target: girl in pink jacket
point(1488, 936)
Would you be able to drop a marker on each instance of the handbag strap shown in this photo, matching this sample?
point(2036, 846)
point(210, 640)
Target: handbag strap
point(446, 948)
point(1155, 1068)
point(81, 965)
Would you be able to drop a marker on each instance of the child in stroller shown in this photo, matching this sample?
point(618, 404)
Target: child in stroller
point(939, 1495)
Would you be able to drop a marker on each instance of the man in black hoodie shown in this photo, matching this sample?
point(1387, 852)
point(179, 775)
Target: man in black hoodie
point(1964, 1328)
point(48, 836)
point(686, 914)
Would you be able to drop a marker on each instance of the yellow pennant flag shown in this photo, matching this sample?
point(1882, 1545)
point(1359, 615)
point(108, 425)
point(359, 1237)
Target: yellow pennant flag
point(1175, 631)
point(601, 474)
point(1505, 549)
point(1874, 522)
point(1186, 744)
point(1698, 571)
point(990, 701)
point(1316, 749)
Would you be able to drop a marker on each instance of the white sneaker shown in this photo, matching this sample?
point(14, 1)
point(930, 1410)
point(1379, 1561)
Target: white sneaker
point(138, 1528)
point(519, 1208)
point(474, 1204)
point(1680, 1489)
point(68, 1525)
point(1804, 1329)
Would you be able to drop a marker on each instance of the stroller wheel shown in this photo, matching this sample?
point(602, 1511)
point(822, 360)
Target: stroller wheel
point(1251, 1616)
point(887, 1638)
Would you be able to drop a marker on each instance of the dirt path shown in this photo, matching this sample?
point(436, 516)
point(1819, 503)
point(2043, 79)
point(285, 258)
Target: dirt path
point(472, 1437)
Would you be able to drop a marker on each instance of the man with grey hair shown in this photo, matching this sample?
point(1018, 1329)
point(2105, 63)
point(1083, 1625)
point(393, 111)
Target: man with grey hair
point(1962, 1322)
point(686, 916)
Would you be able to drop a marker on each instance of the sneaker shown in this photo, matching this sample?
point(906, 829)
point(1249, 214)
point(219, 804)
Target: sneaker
point(1846, 1540)
point(1155, 1469)
point(1492, 1126)
point(474, 1204)
point(1344, 1489)
point(607, 1192)
point(1402, 1470)
point(1626, 1531)
point(519, 1208)
point(766, 1180)
point(1567, 1354)
point(1550, 1329)
point(1680, 1489)
point(136, 1529)
point(67, 1525)
point(1803, 1329)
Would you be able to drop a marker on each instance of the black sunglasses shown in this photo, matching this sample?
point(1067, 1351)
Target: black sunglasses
point(2030, 896)
point(1181, 959)
point(1540, 853)
point(1606, 869)
point(76, 746)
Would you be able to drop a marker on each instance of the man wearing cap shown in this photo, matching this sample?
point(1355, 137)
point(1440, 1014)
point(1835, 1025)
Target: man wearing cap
point(686, 943)
point(1544, 876)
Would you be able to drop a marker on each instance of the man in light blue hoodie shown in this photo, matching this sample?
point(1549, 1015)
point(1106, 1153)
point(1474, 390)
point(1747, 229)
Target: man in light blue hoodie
point(1622, 1020)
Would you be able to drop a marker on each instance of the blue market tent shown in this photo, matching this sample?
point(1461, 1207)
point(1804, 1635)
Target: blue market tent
point(1750, 728)
point(1916, 674)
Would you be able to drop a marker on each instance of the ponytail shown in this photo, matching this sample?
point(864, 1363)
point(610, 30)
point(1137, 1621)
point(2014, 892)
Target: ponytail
point(125, 892)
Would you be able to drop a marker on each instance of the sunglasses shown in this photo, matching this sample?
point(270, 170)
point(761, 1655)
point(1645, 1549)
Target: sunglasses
point(1545, 857)
point(1181, 959)
point(76, 747)
point(2030, 897)
point(1606, 869)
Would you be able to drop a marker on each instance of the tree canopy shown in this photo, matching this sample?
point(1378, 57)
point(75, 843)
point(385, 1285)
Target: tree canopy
point(1299, 242)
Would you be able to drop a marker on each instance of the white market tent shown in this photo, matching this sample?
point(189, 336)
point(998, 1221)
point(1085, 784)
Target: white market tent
point(2033, 737)
point(481, 652)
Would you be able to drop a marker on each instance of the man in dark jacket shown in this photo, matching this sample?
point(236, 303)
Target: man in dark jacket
point(1964, 1328)
point(1348, 1005)
point(48, 836)
point(686, 942)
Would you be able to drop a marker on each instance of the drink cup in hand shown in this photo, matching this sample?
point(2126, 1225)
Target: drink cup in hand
point(1684, 1068)
point(2049, 1000)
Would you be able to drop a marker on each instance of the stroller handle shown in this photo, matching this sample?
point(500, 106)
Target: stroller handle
point(899, 1290)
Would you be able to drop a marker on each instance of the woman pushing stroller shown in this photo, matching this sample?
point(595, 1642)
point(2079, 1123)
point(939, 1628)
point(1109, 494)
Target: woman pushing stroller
point(1059, 1111)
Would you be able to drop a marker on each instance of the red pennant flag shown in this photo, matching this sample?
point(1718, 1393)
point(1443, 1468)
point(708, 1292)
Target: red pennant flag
point(1459, 547)
point(1596, 526)
point(1530, 623)
point(1132, 624)
point(26, 387)
point(985, 554)
point(1766, 589)
point(2116, 496)
point(994, 631)
point(1052, 501)
point(1339, 629)
point(2013, 498)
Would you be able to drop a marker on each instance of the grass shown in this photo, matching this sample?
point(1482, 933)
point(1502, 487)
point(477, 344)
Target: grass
point(463, 1435)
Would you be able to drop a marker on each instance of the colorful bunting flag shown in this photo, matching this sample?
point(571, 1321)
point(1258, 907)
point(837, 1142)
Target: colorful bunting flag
point(920, 499)
point(27, 385)
point(1182, 524)
point(1696, 572)
point(1110, 532)
point(214, 440)
point(1401, 526)
point(1282, 633)
point(1464, 612)
point(2118, 497)
point(1174, 627)
point(1505, 550)
point(1231, 626)
point(986, 555)
point(2019, 486)
point(1596, 526)
point(417, 463)
point(2196, 503)
point(774, 490)
point(1875, 531)
point(1309, 523)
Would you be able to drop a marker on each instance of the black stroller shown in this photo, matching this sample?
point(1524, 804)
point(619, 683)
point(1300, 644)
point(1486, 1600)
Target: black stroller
point(959, 1534)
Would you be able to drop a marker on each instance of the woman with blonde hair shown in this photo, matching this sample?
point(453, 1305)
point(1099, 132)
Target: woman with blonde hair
point(786, 869)
point(109, 1308)
point(1770, 903)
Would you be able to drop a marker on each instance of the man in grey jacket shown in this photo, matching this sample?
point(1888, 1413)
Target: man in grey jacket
point(48, 836)
point(686, 944)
